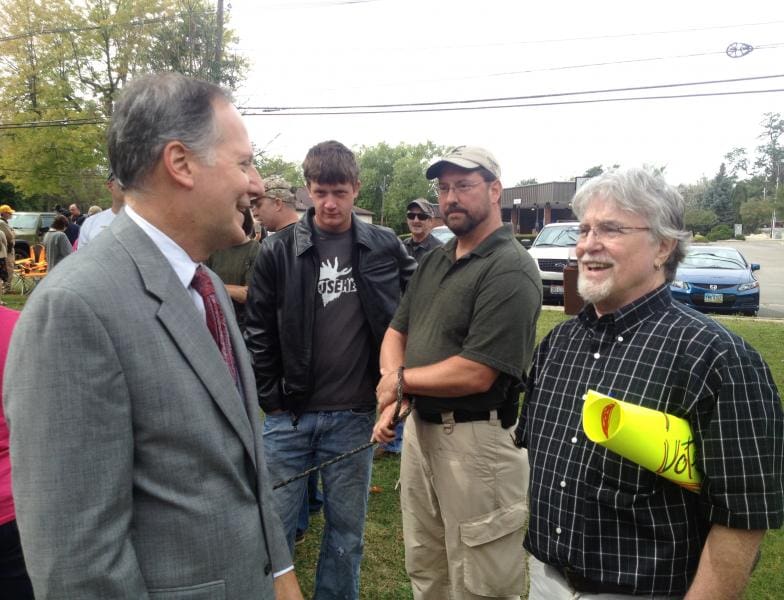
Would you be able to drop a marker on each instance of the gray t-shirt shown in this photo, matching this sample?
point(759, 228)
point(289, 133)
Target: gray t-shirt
point(341, 335)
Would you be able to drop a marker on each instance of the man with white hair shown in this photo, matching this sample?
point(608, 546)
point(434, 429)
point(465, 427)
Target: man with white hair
point(601, 526)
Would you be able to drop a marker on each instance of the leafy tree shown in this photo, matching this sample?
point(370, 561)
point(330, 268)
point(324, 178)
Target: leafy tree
point(694, 193)
point(277, 165)
point(65, 61)
point(593, 171)
point(738, 161)
point(598, 170)
point(9, 194)
point(408, 183)
point(755, 213)
point(770, 155)
point(188, 46)
point(392, 176)
point(523, 182)
point(718, 197)
point(700, 220)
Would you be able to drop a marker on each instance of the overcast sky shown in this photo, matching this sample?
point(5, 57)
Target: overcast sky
point(357, 52)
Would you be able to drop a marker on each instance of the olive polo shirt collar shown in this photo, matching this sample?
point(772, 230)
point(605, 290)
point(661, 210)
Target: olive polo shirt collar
point(485, 248)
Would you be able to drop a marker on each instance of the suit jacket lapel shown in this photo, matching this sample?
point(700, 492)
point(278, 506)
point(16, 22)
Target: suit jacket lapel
point(187, 328)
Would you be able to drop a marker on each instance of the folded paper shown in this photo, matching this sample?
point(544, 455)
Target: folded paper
point(655, 440)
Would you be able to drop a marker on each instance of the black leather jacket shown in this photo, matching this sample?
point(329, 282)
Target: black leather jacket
point(280, 309)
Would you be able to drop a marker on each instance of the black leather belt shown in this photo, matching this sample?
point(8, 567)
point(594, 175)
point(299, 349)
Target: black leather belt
point(461, 416)
point(588, 586)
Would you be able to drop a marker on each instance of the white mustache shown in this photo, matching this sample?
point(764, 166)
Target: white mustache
point(596, 259)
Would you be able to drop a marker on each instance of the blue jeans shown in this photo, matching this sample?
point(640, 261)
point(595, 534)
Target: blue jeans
point(312, 503)
point(318, 437)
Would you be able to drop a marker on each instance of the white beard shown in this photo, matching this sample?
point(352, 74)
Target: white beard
point(593, 293)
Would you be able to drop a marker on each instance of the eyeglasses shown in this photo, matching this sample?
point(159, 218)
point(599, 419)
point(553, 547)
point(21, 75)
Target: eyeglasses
point(607, 231)
point(461, 187)
point(418, 216)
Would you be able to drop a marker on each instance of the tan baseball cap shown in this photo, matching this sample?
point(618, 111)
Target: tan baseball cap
point(276, 186)
point(465, 157)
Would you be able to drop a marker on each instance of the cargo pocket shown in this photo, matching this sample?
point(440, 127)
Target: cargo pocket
point(493, 556)
point(213, 590)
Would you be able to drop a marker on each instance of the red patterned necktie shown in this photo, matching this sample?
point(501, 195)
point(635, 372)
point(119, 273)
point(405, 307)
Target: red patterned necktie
point(216, 320)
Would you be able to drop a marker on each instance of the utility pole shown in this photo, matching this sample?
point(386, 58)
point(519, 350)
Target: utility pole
point(216, 64)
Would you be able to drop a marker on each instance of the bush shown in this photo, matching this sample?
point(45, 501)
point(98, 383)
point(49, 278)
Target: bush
point(741, 238)
point(721, 232)
point(699, 239)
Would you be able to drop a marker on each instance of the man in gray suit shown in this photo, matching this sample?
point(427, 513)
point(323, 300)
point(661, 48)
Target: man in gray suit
point(144, 477)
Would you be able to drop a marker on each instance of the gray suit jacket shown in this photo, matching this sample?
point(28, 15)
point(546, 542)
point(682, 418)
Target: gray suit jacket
point(141, 473)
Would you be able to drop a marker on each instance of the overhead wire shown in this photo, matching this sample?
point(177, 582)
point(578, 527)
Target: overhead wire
point(431, 80)
point(527, 105)
point(511, 98)
point(455, 105)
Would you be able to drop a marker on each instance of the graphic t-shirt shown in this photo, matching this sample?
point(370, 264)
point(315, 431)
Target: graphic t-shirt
point(341, 335)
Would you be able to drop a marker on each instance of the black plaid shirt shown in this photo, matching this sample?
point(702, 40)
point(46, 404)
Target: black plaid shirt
point(611, 520)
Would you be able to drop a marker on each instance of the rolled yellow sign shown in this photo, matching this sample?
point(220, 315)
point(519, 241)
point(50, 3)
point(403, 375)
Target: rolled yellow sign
point(657, 441)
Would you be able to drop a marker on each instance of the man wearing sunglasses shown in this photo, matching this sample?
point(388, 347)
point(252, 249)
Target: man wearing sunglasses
point(419, 217)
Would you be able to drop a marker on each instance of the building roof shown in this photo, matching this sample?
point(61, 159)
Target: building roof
point(558, 194)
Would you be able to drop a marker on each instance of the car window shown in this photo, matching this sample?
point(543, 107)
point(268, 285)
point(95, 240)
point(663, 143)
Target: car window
point(443, 233)
point(18, 221)
point(47, 220)
point(558, 236)
point(714, 259)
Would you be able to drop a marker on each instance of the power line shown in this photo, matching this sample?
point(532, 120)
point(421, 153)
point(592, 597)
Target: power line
point(42, 31)
point(510, 98)
point(614, 35)
point(448, 105)
point(50, 174)
point(366, 85)
point(530, 105)
point(553, 40)
point(53, 123)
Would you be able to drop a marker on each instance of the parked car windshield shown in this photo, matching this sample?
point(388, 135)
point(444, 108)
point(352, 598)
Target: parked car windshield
point(18, 221)
point(558, 236)
point(442, 233)
point(714, 258)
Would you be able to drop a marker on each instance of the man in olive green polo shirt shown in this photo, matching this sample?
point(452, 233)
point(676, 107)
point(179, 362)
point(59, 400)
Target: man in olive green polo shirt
point(464, 333)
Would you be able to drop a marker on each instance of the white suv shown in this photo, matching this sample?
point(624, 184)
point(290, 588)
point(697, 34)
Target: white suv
point(551, 250)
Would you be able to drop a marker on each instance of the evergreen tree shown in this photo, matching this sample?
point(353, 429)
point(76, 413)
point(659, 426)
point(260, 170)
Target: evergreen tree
point(718, 197)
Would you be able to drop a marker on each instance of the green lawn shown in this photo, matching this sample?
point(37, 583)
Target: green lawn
point(383, 572)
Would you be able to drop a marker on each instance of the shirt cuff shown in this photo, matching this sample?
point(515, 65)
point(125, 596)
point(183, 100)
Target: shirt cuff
point(282, 571)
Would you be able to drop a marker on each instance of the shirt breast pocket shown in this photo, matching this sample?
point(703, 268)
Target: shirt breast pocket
point(620, 482)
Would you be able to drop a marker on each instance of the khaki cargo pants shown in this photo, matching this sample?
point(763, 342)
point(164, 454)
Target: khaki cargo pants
point(464, 490)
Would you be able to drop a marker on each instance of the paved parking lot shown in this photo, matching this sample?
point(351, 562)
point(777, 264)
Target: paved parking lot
point(770, 256)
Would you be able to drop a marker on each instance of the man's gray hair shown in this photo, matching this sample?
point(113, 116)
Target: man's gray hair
point(154, 110)
point(645, 194)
